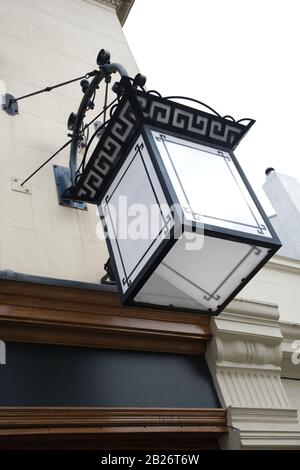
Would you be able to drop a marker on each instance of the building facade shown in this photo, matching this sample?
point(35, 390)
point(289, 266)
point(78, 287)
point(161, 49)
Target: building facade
point(77, 370)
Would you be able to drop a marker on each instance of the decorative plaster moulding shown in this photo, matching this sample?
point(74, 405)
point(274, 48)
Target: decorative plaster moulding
point(262, 428)
point(122, 7)
point(245, 360)
point(283, 264)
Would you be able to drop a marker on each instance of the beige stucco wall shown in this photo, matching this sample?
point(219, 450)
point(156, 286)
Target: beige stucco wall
point(278, 283)
point(43, 43)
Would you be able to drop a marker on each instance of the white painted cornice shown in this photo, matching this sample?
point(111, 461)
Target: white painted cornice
point(283, 264)
point(258, 416)
point(252, 309)
point(262, 428)
point(250, 321)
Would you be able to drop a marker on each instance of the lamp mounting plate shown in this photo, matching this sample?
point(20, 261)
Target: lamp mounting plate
point(16, 185)
point(62, 181)
point(10, 105)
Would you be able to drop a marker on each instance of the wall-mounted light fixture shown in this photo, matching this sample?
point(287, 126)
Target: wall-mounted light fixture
point(184, 228)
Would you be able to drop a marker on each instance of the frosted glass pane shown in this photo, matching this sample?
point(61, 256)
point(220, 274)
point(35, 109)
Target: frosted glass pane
point(206, 277)
point(208, 185)
point(136, 214)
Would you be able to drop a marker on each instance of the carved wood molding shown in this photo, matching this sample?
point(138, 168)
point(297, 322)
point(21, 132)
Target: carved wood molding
point(40, 417)
point(40, 313)
point(110, 428)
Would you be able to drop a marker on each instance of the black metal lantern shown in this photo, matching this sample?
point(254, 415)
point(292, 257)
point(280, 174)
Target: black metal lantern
point(203, 234)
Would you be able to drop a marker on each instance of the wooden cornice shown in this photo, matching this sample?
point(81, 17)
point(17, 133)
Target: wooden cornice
point(42, 313)
point(110, 428)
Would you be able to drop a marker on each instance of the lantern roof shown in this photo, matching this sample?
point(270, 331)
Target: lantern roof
point(137, 108)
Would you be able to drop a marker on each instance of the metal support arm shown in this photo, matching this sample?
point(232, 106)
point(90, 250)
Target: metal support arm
point(105, 70)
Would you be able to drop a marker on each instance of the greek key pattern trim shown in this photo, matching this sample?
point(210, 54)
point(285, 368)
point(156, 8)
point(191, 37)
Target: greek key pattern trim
point(157, 112)
point(191, 121)
point(106, 155)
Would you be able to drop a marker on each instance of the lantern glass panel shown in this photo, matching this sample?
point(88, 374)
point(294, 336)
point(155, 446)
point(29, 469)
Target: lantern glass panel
point(208, 185)
point(203, 272)
point(136, 214)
